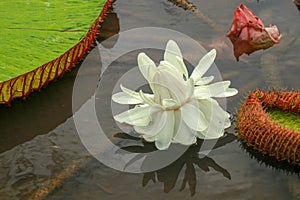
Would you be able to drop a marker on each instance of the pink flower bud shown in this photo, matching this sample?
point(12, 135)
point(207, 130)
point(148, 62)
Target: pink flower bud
point(248, 33)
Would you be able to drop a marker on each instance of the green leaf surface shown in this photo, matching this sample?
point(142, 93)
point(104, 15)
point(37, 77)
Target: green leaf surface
point(286, 119)
point(34, 32)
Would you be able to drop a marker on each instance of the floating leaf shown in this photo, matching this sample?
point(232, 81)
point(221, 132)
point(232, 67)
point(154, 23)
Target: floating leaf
point(271, 137)
point(41, 40)
point(287, 119)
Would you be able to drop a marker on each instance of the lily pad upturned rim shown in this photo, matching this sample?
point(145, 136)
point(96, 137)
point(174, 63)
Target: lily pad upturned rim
point(259, 131)
point(23, 85)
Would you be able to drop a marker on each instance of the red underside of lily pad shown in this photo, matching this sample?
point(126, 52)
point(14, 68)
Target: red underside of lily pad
point(263, 134)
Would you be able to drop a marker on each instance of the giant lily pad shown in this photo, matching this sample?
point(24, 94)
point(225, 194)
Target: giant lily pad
point(40, 40)
point(272, 132)
point(287, 119)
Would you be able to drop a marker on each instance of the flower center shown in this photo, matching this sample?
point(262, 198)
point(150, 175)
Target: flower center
point(170, 104)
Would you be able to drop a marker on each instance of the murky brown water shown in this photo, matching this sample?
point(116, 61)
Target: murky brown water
point(43, 157)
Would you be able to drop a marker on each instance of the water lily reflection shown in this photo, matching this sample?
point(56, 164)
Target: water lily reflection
point(189, 160)
point(181, 108)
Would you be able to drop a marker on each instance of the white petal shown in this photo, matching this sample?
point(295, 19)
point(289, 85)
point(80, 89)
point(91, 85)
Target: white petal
point(181, 66)
point(218, 87)
point(190, 88)
point(214, 133)
point(138, 116)
point(167, 85)
point(185, 135)
point(124, 98)
point(170, 104)
point(163, 139)
point(158, 121)
point(132, 93)
point(131, 97)
point(216, 111)
point(203, 65)
point(212, 90)
point(205, 80)
point(169, 66)
point(218, 119)
point(193, 117)
point(227, 122)
point(173, 55)
point(146, 66)
point(229, 92)
point(177, 114)
point(160, 90)
point(151, 138)
point(147, 98)
point(201, 92)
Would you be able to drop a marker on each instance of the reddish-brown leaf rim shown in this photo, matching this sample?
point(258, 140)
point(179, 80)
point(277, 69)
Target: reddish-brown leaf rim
point(258, 131)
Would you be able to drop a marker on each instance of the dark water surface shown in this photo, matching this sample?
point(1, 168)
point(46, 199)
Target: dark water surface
point(42, 156)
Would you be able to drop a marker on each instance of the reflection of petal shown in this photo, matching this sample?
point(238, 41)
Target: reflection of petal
point(190, 178)
point(147, 177)
point(203, 65)
point(228, 138)
point(164, 137)
point(193, 117)
point(173, 55)
point(206, 162)
point(133, 160)
point(138, 116)
point(169, 175)
point(126, 136)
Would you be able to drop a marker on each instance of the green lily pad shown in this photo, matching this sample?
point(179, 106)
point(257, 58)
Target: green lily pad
point(268, 121)
point(43, 39)
point(286, 119)
point(34, 32)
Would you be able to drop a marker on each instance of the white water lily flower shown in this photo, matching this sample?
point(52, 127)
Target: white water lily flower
point(181, 108)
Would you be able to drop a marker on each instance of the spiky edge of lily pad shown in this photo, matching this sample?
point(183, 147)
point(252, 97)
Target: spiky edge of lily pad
point(269, 161)
point(23, 85)
point(256, 128)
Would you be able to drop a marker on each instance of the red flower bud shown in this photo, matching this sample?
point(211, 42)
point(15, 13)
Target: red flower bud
point(248, 33)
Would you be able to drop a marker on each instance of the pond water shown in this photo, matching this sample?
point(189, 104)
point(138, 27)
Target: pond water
point(42, 156)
